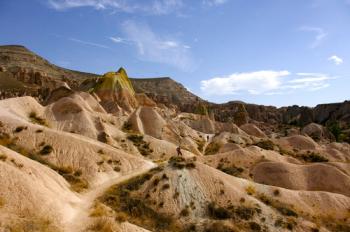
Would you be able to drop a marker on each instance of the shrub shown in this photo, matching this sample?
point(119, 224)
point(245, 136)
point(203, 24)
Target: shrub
point(19, 129)
point(250, 190)
point(233, 170)
point(127, 126)
point(98, 210)
point(254, 226)
point(265, 144)
point(313, 157)
point(212, 148)
point(200, 145)
point(276, 192)
point(185, 212)
point(178, 162)
point(141, 145)
point(218, 212)
point(34, 118)
point(165, 186)
point(287, 212)
point(245, 213)
point(47, 149)
point(3, 157)
point(286, 225)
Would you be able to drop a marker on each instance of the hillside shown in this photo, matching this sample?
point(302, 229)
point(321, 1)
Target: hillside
point(101, 153)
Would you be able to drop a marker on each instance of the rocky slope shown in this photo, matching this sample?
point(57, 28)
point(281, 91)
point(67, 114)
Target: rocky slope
point(98, 156)
point(25, 73)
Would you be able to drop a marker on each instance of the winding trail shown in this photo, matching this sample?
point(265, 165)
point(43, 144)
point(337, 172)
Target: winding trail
point(79, 222)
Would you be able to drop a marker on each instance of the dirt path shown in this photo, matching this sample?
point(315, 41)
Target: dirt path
point(81, 218)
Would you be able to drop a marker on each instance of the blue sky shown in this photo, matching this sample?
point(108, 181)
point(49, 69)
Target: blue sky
point(272, 52)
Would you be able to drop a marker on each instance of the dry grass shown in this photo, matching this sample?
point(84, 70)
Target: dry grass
point(103, 224)
point(212, 148)
point(32, 225)
point(34, 118)
point(250, 189)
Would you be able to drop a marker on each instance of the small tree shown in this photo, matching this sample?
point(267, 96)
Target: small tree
point(241, 116)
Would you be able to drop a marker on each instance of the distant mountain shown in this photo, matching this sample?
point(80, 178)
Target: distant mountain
point(23, 72)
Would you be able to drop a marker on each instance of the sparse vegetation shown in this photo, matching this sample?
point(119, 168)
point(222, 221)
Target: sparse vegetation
point(121, 198)
point(265, 144)
point(231, 170)
point(212, 148)
point(200, 145)
point(179, 162)
point(141, 145)
point(34, 118)
point(127, 126)
point(313, 157)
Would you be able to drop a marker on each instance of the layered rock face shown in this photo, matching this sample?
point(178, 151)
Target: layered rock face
point(27, 74)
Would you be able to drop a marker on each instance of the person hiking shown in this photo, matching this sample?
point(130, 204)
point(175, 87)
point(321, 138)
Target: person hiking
point(178, 149)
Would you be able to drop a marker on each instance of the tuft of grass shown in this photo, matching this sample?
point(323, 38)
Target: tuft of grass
point(212, 148)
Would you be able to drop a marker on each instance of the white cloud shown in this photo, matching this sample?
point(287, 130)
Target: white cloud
point(161, 7)
point(214, 2)
point(319, 37)
point(157, 7)
point(266, 82)
point(117, 39)
point(252, 82)
point(155, 48)
point(336, 59)
point(87, 43)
